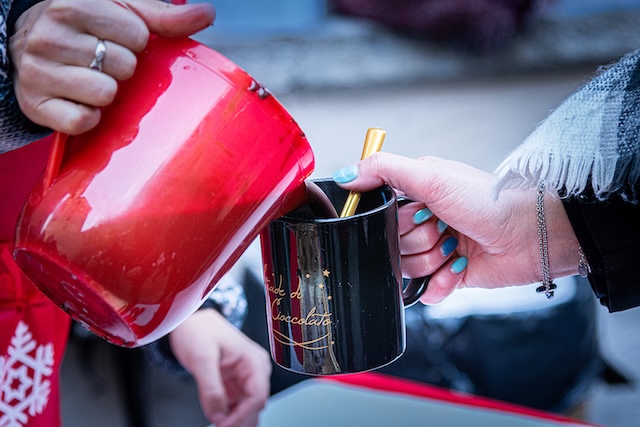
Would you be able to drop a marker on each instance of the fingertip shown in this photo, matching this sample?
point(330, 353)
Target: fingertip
point(459, 265)
point(421, 216)
point(216, 418)
point(204, 12)
point(430, 299)
point(215, 409)
point(444, 281)
point(81, 123)
point(169, 20)
point(442, 226)
point(448, 246)
point(207, 9)
point(345, 175)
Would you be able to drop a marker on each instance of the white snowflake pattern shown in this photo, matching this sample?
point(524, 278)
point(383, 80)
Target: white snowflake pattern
point(24, 378)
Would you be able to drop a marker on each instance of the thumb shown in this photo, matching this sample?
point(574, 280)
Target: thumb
point(169, 20)
point(417, 178)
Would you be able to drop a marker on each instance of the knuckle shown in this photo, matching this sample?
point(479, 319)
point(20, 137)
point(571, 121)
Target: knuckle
point(29, 72)
point(66, 10)
point(377, 159)
point(39, 42)
point(30, 109)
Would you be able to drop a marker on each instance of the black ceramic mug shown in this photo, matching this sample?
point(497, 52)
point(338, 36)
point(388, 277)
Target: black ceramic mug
point(335, 299)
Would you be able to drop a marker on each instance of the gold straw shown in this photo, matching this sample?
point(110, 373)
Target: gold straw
point(372, 144)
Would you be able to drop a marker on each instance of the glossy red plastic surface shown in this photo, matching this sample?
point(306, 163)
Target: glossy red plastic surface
point(154, 205)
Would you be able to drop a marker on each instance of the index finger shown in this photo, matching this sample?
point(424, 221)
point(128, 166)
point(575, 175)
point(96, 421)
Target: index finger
point(104, 19)
point(169, 20)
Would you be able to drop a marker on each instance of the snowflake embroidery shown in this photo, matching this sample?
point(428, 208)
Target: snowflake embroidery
point(24, 378)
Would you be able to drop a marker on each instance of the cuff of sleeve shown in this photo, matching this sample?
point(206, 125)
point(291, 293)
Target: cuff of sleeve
point(228, 298)
point(609, 234)
point(159, 354)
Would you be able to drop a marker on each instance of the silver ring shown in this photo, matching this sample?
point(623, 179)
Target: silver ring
point(101, 51)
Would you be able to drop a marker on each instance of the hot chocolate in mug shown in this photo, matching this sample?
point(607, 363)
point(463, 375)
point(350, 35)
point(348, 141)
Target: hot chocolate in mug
point(148, 210)
point(335, 302)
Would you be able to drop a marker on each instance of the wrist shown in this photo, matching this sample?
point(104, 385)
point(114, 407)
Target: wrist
point(563, 244)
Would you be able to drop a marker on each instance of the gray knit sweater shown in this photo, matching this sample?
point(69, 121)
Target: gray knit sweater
point(16, 129)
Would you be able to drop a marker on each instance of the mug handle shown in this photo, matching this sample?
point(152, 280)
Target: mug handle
point(415, 287)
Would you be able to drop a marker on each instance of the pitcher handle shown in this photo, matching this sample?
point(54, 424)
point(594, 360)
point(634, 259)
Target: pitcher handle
point(55, 158)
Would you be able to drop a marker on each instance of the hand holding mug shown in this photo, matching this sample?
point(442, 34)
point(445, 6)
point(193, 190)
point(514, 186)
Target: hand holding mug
point(496, 235)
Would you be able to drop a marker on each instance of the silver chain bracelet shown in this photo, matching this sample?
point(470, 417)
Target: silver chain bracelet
point(583, 265)
point(548, 287)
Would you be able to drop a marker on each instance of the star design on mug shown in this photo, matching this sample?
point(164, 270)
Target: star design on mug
point(326, 272)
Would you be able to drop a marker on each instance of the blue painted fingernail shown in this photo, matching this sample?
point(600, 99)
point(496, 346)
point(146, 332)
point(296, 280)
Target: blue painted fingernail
point(449, 245)
point(459, 265)
point(441, 226)
point(421, 216)
point(344, 175)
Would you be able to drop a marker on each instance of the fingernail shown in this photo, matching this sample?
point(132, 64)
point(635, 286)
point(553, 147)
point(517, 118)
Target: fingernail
point(441, 226)
point(421, 216)
point(344, 175)
point(459, 265)
point(448, 246)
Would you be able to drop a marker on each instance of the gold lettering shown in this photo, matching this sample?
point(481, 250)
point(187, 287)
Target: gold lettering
point(274, 311)
point(277, 290)
point(323, 319)
point(311, 319)
point(296, 294)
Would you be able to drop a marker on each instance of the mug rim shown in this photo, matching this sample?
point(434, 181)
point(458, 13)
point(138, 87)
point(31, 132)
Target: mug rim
point(383, 188)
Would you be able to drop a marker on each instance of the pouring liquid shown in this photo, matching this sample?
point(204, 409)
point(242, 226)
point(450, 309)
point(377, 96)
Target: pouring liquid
point(319, 202)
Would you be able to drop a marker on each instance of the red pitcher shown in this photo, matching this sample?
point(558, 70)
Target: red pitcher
point(148, 210)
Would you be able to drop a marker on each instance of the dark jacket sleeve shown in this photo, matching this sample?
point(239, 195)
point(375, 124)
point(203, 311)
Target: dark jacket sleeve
point(609, 234)
point(18, 7)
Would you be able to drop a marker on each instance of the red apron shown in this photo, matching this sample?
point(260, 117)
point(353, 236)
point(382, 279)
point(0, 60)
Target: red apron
point(33, 331)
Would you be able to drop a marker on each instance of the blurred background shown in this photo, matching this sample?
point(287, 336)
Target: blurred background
point(462, 79)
